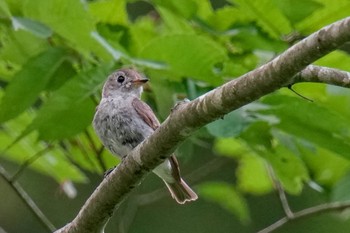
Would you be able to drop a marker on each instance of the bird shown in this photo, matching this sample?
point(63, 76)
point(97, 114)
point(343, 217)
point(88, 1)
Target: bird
point(122, 121)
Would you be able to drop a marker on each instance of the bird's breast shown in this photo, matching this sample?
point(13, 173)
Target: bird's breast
point(119, 127)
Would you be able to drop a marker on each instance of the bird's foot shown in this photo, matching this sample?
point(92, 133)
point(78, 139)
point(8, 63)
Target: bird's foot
point(178, 104)
point(108, 171)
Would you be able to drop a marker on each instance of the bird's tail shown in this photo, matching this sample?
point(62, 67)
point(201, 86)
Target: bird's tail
point(181, 192)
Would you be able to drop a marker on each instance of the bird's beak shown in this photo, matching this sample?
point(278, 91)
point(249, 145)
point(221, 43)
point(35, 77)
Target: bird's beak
point(139, 81)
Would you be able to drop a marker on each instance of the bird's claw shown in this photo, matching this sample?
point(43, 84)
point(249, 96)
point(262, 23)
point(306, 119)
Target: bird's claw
point(179, 103)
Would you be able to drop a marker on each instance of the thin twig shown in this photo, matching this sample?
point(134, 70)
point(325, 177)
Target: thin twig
point(29, 161)
point(281, 194)
point(98, 152)
point(27, 201)
point(290, 87)
point(323, 208)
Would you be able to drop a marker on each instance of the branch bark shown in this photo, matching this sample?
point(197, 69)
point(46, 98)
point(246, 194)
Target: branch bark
point(318, 74)
point(189, 116)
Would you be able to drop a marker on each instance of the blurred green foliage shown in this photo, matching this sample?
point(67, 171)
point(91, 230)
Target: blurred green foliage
point(55, 56)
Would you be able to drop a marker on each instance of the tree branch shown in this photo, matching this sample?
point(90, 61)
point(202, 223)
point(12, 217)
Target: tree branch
point(27, 200)
point(188, 117)
point(319, 74)
point(281, 194)
point(323, 208)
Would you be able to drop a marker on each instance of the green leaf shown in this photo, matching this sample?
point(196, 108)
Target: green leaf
point(297, 10)
point(21, 46)
point(258, 135)
point(336, 59)
point(325, 173)
point(25, 87)
point(232, 124)
point(327, 14)
point(227, 197)
point(32, 26)
point(251, 169)
point(63, 73)
point(225, 17)
point(56, 165)
point(163, 93)
point(109, 11)
point(142, 32)
point(248, 39)
point(341, 190)
point(187, 55)
point(310, 122)
point(204, 8)
point(252, 175)
point(70, 109)
point(273, 22)
point(236, 122)
point(289, 168)
point(5, 9)
point(185, 8)
point(50, 162)
point(56, 13)
point(230, 147)
point(173, 22)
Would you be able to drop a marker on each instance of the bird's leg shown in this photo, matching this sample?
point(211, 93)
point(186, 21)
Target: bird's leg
point(108, 171)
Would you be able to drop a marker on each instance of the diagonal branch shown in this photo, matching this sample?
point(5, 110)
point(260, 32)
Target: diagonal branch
point(188, 117)
point(45, 222)
point(323, 208)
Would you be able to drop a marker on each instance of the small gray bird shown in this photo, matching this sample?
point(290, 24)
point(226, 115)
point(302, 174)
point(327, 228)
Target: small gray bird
point(122, 121)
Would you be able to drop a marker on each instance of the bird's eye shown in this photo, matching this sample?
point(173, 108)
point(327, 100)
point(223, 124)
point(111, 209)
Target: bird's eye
point(120, 78)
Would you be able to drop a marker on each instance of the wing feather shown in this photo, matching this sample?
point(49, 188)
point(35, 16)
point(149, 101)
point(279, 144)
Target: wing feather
point(146, 113)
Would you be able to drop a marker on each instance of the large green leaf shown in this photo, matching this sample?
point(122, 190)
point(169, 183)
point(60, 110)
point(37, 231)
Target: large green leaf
point(110, 11)
point(266, 15)
point(227, 197)
point(327, 168)
point(20, 46)
point(184, 8)
point(341, 190)
point(174, 23)
point(25, 87)
point(70, 109)
point(253, 176)
point(231, 125)
point(57, 13)
point(289, 169)
point(330, 12)
point(187, 55)
point(297, 10)
point(225, 17)
point(5, 9)
point(310, 122)
point(336, 59)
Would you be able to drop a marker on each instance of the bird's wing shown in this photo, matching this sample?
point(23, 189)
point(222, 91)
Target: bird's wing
point(148, 116)
point(146, 113)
